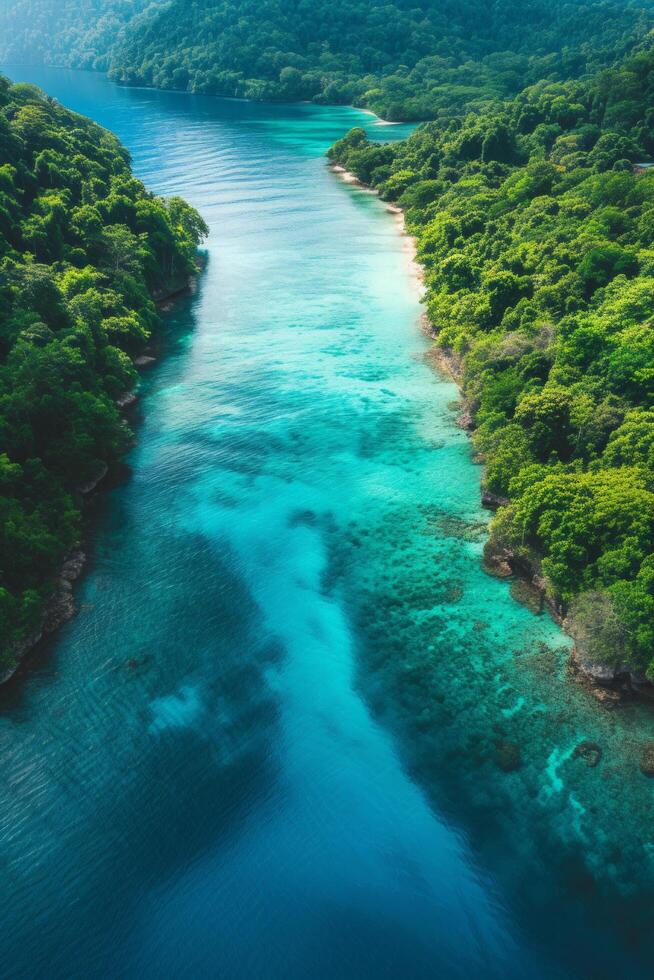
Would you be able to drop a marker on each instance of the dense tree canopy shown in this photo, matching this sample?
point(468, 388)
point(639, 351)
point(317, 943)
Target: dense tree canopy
point(65, 33)
point(83, 247)
point(405, 59)
point(538, 241)
point(536, 232)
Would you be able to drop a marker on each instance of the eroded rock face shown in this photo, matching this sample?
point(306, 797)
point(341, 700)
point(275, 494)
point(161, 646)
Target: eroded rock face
point(144, 361)
point(89, 487)
point(620, 677)
point(72, 567)
point(465, 420)
point(61, 607)
point(18, 653)
point(126, 400)
point(598, 673)
point(492, 500)
point(496, 560)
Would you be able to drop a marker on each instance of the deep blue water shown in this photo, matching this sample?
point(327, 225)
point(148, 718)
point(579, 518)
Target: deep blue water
point(240, 760)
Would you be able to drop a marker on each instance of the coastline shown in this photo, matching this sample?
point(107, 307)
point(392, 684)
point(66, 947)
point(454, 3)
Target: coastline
point(61, 606)
point(211, 95)
point(409, 242)
point(608, 684)
point(380, 121)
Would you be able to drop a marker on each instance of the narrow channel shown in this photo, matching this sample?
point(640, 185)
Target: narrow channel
point(210, 764)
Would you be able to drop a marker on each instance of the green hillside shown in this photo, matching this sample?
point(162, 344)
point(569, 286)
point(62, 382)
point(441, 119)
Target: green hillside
point(404, 60)
point(83, 247)
point(65, 33)
point(538, 240)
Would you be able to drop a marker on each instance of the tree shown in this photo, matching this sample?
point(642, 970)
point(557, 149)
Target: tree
point(74, 303)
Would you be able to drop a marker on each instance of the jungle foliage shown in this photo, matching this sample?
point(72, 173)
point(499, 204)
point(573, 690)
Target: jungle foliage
point(404, 59)
point(83, 247)
point(65, 33)
point(537, 236)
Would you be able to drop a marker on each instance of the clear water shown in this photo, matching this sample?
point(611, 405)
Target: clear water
point(268, 746)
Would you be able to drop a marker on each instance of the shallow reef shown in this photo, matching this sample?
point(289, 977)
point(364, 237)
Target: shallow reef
point(550, 784)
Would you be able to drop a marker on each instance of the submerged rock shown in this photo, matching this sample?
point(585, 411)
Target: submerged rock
point(590, 752)
point(528, 595)
point(606, 696)
point(508, 756)
point(464, 529)
point(647, 760)
point(137, 663)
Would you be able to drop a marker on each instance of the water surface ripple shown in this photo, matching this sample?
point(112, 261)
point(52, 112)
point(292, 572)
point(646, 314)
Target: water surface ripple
point(268, 746)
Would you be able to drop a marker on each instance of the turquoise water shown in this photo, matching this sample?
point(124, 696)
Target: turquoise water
point(271, 743)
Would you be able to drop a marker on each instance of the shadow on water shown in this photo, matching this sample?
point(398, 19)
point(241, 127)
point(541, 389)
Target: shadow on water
point(41, 664)
point(165, 774)
point(149, 717)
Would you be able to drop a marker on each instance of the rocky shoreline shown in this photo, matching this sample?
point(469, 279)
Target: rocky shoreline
point(58, 610)
point(609, 684)
point(61, 606)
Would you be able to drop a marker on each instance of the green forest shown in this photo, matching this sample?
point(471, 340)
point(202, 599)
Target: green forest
point(83, 247)
point(404, 60)
point(65, 33)
point(536, 231)
point(534, 225)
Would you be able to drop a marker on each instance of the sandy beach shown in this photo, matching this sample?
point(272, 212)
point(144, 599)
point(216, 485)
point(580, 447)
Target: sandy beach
point(409, 242)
